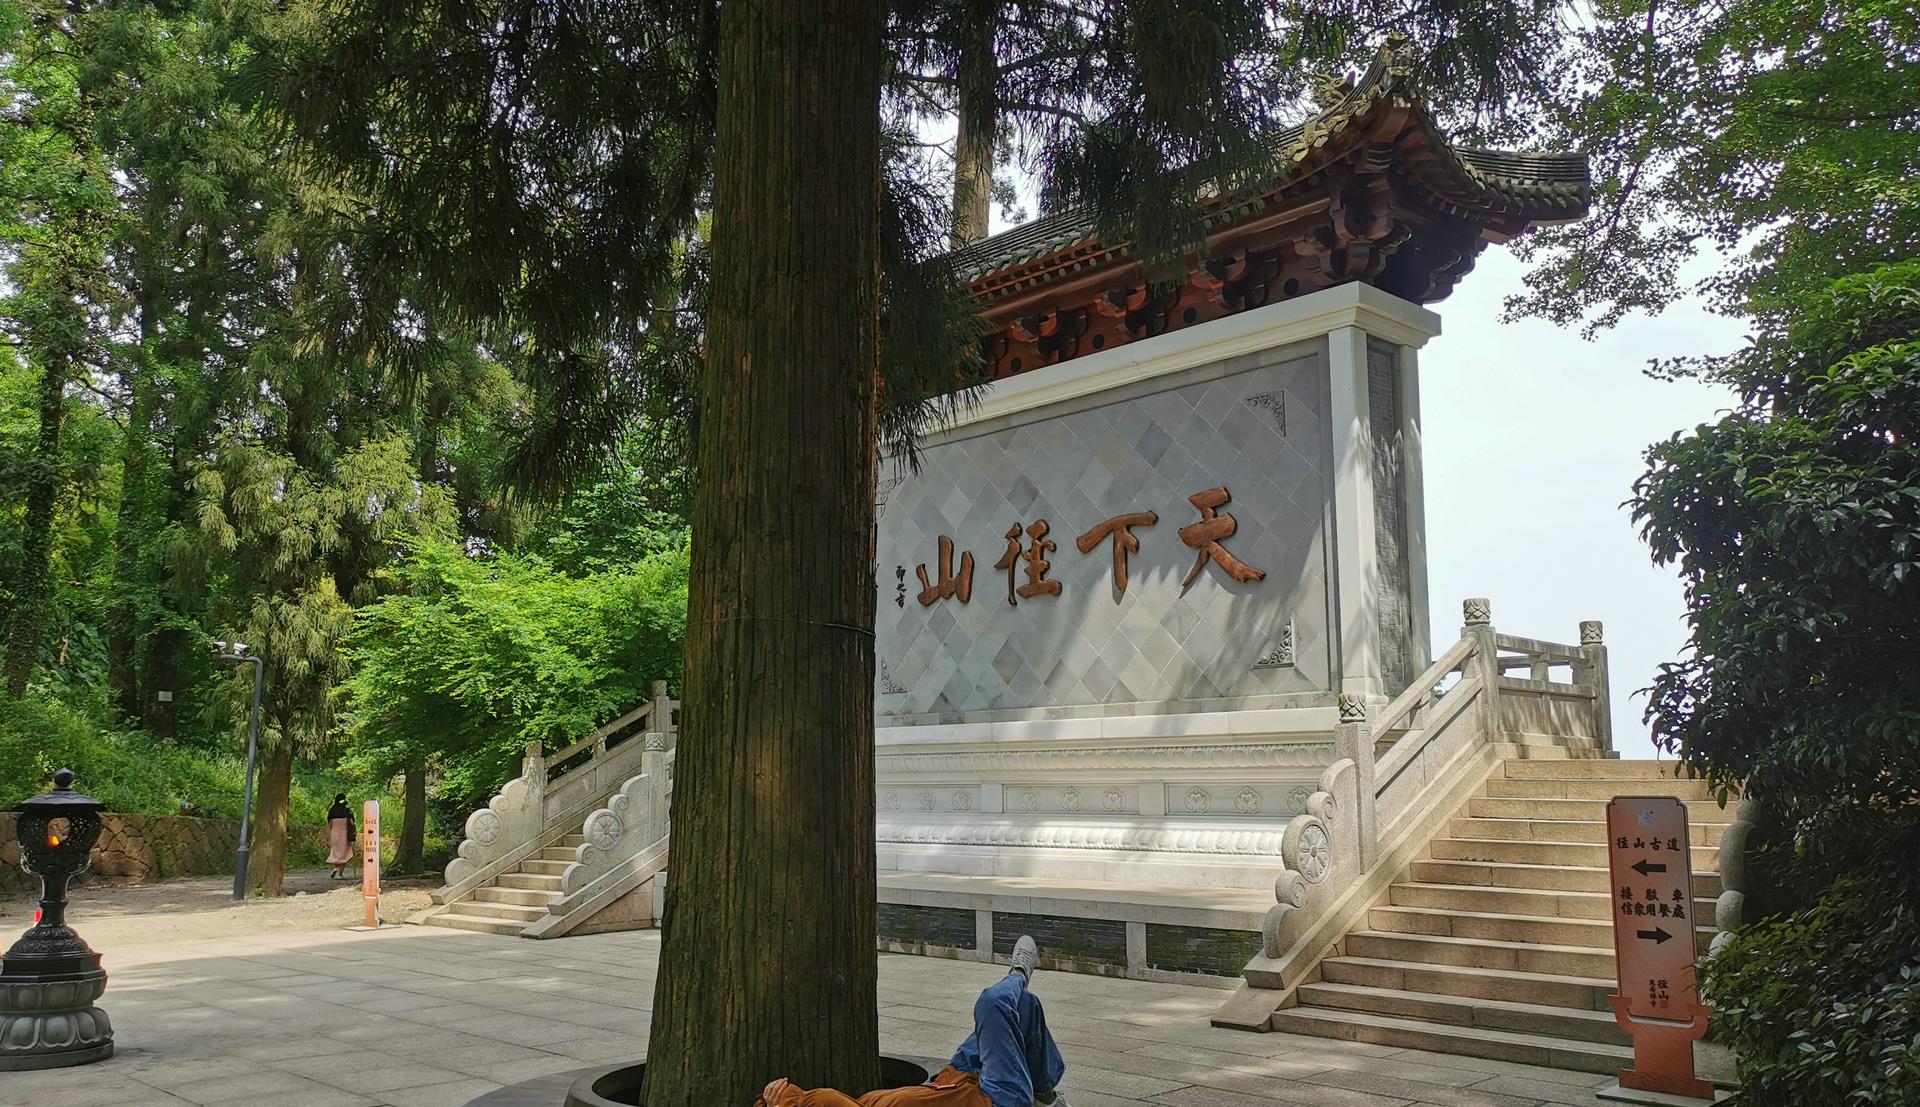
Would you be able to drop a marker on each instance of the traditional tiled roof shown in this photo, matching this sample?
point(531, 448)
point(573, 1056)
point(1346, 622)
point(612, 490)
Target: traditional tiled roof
point(1502, 191)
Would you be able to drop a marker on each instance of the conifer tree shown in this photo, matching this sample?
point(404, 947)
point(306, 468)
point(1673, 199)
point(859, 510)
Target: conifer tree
point(56, 212)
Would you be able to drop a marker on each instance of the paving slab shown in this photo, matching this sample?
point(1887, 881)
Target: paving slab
point(423, 1017)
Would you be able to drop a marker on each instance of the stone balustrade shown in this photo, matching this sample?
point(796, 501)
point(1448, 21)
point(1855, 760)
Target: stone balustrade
point(593, 786)
point(1411, 765)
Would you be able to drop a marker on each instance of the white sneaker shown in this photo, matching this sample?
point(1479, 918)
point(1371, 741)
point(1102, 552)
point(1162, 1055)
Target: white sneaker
point(1026, 954)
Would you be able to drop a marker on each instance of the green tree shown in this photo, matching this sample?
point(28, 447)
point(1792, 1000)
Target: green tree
point(56, 212)
point(198, 191)
point(1795, 524)
point(1787, 139)
point(1779, 134)
point(467, 659)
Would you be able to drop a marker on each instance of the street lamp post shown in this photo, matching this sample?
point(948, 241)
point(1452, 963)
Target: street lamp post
point(238, 656)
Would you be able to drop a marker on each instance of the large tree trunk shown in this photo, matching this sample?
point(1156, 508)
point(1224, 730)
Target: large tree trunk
point(973, 143)
point(33, 587)
point(166, 648)
point(769, 966)
point(123, 620)
point(410, 853)
point(267, 865)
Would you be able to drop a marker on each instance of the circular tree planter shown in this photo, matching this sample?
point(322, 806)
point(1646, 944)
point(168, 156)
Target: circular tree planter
point(619, 1085)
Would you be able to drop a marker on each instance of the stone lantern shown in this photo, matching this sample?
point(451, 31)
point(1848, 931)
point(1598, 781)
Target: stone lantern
point(50, 979)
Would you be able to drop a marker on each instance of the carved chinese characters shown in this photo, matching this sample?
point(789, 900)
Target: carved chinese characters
point(1123, 540)
point(1028, 547)
point(1037, 563)
point(1206, 536)
point(950, 585)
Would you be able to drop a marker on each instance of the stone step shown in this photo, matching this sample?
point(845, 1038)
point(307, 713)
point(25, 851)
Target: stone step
point(1581, 855)
point(573, 840)
point(533, 882)
point(1699, 811)
point(1533, 877)
point(1500, 787)
point(1538, 903)
point(1491, 1014)
point(481, 923)
point(515, 912)
point(1547, 989)
point(562, 854)
point(543, 868)
point(522, 896)
point(1555, 830)
point(1594, 769)
point(1489, 926)
point(1502, 1045)
point(1482, 953)
point(1507, 901)
point(1520, 751)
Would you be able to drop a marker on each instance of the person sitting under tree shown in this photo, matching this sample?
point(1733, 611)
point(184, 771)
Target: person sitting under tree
point(1009, 1060)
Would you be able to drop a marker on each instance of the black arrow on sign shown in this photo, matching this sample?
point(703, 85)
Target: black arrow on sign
point(1657, 936)
point(1645, 867)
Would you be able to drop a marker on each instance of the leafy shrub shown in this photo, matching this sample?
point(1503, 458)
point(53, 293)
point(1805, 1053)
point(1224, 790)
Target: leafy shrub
point(131, 772)
point(1823, 1005)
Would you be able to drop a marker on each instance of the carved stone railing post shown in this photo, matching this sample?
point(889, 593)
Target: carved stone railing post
point(662, 717)
point(533, 769)
point(1593, 674)
point(1353, 740)
point(1477, 613)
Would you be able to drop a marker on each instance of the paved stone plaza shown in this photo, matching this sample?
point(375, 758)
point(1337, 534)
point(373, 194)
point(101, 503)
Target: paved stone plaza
point(419, 1017)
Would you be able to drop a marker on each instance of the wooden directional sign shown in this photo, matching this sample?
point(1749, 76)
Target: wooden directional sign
point(1649, 857)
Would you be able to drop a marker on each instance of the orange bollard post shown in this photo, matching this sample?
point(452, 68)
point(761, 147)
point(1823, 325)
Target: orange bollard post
point(370, 866)
point(370, 862)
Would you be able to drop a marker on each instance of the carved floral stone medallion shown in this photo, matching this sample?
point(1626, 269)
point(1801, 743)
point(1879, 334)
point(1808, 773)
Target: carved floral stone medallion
point(604, 831)
point(1316, 854)
point(1115, 800)
point(962, 800)
point(1246, 801)
point(1029, 800)
point(1070, 800)
point(484, 827)
point(1198, 801)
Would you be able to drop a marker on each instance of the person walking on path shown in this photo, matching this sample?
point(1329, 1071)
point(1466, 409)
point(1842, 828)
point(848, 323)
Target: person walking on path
point(1010, 1060)
point(339, 836)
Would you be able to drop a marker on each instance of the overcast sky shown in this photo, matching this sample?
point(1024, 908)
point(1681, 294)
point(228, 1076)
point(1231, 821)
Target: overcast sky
point(1533, 441)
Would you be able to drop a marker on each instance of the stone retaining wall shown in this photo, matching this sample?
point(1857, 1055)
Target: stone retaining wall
point(134, 849)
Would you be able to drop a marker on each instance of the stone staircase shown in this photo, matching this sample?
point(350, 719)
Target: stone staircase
point(574, 844)
point(518, 898)
point(1498, 942)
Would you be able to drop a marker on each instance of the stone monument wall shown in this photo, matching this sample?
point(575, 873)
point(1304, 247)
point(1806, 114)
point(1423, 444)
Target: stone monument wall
point(1027, 617)
point(134, 849)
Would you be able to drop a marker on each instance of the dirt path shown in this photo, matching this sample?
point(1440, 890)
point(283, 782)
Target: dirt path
point(118, 916)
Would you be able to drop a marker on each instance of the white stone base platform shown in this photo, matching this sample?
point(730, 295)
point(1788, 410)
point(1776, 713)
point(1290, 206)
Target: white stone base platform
point(1171, 932)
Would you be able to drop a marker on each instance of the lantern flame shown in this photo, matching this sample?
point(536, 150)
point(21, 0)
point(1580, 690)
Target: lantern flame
point(53, 841)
